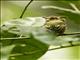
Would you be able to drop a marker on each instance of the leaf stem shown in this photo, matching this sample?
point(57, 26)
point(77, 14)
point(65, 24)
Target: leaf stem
point(74, 7)
point(64, 47)
point(25, 9)
point(14, 38)
point(63, 9)
point(78, 33)
point(65, 34)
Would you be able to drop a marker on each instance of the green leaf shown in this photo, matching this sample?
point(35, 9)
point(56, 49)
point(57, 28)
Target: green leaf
point(28, 49)
point(6, 34)
point(5, 52)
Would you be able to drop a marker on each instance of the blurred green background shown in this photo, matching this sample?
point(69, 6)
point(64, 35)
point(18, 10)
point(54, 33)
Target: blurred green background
point(13, 9)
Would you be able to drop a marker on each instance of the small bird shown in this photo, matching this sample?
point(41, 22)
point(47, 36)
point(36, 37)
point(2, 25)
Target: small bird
point(56, 24)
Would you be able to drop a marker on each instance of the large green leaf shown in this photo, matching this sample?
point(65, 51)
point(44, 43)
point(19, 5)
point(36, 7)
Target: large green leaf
point(5, 52)
point(25, 48)
point(28, 49)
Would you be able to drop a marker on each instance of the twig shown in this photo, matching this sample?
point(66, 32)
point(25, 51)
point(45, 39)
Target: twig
point(25, 9)
point(74, 7)
point(78, 33)
point(64, 47)
point(65, 34)
point(63, 9)
point(14, 38)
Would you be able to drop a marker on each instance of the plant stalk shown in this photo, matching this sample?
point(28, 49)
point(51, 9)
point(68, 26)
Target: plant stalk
point(25, 9)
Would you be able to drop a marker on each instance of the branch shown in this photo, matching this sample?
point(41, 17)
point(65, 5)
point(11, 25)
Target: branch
point(14, 38)
point(25, 9)
point(74, 7)
point(78, 33)
point(64, 47)
point(65, 34)
point(63, 9)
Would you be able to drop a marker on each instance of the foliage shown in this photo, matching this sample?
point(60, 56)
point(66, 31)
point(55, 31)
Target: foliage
point(28, 39)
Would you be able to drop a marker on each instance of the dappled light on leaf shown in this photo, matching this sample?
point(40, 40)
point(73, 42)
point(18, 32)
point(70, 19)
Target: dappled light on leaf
point(5, 52)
